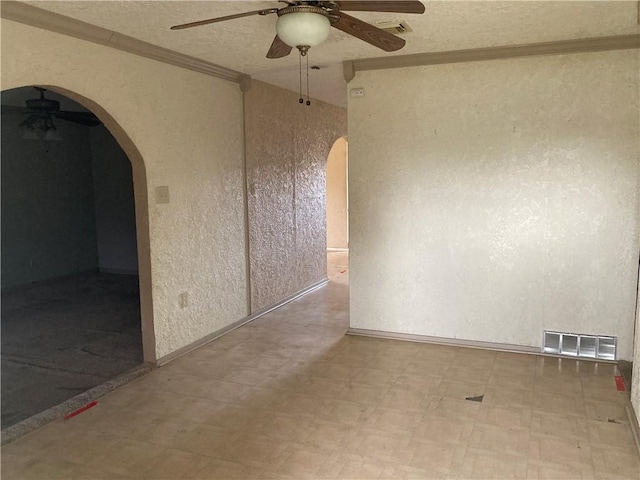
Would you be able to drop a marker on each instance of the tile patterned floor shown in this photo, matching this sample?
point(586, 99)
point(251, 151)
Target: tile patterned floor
point(290, 396)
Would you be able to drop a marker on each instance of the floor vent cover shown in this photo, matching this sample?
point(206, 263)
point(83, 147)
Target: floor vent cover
point(578, 345)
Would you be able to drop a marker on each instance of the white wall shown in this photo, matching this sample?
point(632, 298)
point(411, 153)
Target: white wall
point(492, 200)
point(188, 128)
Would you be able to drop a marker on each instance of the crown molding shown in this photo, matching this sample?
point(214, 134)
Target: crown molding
point(54, 22)
point(37, 17)
point(584, 45)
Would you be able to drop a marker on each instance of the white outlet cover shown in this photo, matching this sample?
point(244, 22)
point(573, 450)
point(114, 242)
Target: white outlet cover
point(357, 92)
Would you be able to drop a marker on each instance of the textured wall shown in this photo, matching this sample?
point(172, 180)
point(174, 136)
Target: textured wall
point(635, 377)
point(188, 129)
point(114, 203)
point(48, 221)
point(493, 200)
point(337, 217)
point(286, 150)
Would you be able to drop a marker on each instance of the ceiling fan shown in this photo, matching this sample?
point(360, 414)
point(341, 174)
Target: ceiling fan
point(39, 123)
point(305, 24)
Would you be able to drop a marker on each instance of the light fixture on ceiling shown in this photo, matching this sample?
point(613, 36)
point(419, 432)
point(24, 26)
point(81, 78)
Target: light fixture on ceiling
point(41, 112)
point(303, 26)
point(29, 133)
point(306, 23)
point(40, 127)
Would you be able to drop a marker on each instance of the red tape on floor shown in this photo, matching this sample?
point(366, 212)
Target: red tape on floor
point(619, 383)
point(80, 410)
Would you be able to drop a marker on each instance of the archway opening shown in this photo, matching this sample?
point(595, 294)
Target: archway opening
point(71, 295)
point(337, 211)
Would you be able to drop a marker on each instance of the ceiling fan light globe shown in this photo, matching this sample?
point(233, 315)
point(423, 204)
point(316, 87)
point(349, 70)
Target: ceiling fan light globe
point(52, 135)
point(303, 29)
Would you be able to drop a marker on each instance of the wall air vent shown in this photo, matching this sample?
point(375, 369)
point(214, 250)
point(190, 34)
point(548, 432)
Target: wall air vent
point(579, 345)
point(397, 27)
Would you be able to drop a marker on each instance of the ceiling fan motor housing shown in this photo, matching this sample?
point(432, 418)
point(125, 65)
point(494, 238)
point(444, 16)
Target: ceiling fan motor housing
point(43, 104)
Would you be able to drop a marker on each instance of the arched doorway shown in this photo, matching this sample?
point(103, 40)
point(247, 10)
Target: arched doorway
point(337, 211)
point(76, 283)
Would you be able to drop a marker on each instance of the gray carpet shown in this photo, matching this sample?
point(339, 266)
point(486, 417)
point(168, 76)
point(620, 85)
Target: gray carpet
point(63, 336)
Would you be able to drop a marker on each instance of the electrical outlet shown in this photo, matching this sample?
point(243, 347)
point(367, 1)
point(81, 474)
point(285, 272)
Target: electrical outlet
point(357, 92)
point(183, 300)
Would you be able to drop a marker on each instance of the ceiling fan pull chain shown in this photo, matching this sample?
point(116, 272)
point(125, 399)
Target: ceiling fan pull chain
point(300, 68)
point(308, 101)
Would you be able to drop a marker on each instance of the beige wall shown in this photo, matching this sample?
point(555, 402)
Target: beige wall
point(286, 150)
point(635, 377)
point(492, 200)
point(187, 128)
point(337, 213)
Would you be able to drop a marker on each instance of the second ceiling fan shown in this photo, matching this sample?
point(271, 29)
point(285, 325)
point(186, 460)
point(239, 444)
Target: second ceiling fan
point(305, 24)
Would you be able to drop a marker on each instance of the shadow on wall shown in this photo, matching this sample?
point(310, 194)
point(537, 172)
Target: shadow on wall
point(51, 192)
point(67, 197)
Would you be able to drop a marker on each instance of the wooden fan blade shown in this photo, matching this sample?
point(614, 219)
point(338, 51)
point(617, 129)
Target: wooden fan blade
point(222, 19)
point(370, 34)
point(12, 110)
point(381, 6)
point(83, 118)
point(278, 49)
point(30, 120)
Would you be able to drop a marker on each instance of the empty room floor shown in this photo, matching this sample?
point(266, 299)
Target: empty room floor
point(291, 396)
point(338, 266)
point(62, 336)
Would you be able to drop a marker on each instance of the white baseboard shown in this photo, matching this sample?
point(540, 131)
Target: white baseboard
point(457, 342)
point(243, 321)
point(454, 342)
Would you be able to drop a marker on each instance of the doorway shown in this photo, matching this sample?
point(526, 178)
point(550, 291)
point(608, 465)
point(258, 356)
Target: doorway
point(70, 290)
point(337, 202)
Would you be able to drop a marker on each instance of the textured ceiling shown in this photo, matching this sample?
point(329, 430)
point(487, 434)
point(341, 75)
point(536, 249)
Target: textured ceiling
point(241, 44)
